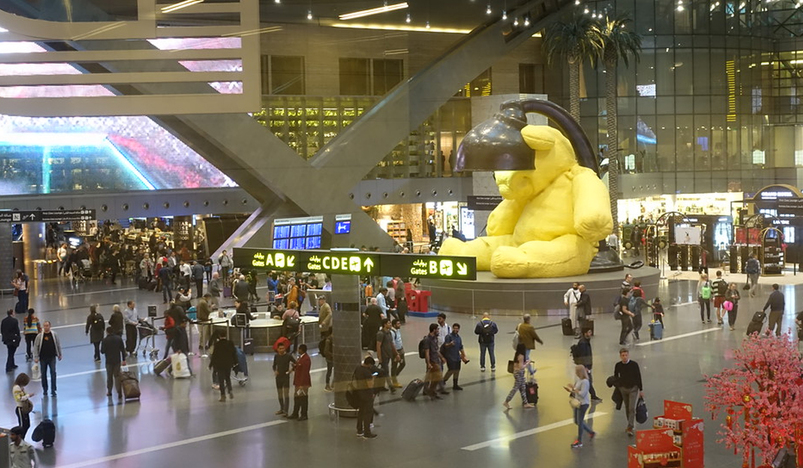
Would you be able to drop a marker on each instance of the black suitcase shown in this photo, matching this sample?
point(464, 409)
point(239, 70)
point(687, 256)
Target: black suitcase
point(759, 316)
point(45, 432)
point(754, 327)
point(412, 389)
point(152, 285)
point(142, 283)
point(531, 391)
point(566, 325)
point(129, 385)
point(161, 366)
point(248, 346)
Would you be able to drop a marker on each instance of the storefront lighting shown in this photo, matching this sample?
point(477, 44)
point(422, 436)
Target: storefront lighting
point(373, 11)
point(180, 5)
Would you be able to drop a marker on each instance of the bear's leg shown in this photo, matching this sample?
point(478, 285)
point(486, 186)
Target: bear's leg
point(480, 248)
point(566, 255)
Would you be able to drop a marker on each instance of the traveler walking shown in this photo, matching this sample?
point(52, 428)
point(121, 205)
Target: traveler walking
point(324, 315)
point(585, 357)
point(302, 384)
point(225, 265)
point(282, 361)
point(528, 336)
point(753, 269)
point(625, 316)
point(24, 405)
point(398, 362)
point(628, 376)
point(372, 319)
point(570, 300)
point(580, 391)
point(117, 320)
point(30, 328)
point(131, 321)
point(704, 292)
point(520, 365)
point(166, 278)
point(10, 330)
point(455, 355)
point(583, 310)
point(720, 287)
point(215, 288)
point(20, 284)
point(732, 296)
point(635, 304)
point(223, 359)
point(198, 274)
point(47, 348)
point(327, 351)
point(94, 328)
point(433, 360)
point(204, 315)
point(364, 387)
point(113, 348)
point(385, 352)
point(776, 303)
point(486, 331)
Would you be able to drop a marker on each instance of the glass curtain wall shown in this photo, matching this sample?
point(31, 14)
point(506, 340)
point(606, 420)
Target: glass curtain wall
point(716, 89)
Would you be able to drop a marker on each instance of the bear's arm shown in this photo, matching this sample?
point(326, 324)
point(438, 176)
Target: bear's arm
point(592, 207)
point(503, 218)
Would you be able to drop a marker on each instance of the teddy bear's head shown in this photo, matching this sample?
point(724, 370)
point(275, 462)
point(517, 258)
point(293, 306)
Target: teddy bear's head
point(553, 156)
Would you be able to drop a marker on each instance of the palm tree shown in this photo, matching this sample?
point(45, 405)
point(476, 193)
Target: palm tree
point(574, 40)
point(619, 43)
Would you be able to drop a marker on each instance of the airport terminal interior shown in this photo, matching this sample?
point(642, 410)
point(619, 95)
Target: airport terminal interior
point(500, 149)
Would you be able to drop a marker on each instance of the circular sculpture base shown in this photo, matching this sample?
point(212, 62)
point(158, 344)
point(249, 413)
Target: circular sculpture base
point(538, 296)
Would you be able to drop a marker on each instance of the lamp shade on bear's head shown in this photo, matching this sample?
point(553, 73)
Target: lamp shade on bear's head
point(497, 144)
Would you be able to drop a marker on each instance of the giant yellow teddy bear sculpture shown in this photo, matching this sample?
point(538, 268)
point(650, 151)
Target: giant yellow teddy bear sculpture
point(551, 218)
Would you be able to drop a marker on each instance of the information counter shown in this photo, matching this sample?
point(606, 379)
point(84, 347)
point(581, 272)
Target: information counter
point(265, 330)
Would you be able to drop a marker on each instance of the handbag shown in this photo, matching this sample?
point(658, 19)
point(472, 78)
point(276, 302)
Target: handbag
point(27, 406)
point(746, 287)
point(574, 402)
point(511, 365)
point(36, 372)
point(641, 411)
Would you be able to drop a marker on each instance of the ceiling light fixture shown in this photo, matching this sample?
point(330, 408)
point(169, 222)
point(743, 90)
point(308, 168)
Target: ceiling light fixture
point(373, 11)
point(526, 21)
point(397, 27)
point(427, 24)
point(277, 1)
point(516, 22)
point(504, 15)
point(180, 5)
point(408, 19)
point(309, 15)
point(488, 10)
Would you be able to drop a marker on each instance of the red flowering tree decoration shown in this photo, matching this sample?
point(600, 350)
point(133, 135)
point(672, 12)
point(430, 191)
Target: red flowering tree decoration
point(762, 397)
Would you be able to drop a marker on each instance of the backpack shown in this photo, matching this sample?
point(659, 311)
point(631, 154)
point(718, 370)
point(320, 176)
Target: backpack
point(632, 304)
point(423, 345)
point(575, 352)
point(705, 291)
point(752, 266)
point(722, 287)
point(292, 324)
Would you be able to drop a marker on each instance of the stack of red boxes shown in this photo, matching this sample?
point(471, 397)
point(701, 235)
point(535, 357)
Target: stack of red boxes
point(676, 440)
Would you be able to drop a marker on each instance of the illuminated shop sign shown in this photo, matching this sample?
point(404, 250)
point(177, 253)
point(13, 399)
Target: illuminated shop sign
point(358, 263)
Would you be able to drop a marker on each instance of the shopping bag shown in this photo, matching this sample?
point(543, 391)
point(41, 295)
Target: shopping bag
point(36, 372)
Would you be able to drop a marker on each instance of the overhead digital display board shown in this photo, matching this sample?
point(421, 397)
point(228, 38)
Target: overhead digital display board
point(358, 263)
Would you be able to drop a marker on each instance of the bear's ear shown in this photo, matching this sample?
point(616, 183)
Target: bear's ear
point(538, 137)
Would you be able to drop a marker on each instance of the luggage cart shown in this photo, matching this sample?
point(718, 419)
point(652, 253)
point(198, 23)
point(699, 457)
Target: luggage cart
point(147, 339)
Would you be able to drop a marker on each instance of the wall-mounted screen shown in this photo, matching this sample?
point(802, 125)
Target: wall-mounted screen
point(298, 233)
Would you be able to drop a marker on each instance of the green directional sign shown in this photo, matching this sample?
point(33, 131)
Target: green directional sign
point(358, 263)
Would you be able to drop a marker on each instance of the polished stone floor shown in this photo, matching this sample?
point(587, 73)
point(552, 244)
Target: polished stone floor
point(181, 423)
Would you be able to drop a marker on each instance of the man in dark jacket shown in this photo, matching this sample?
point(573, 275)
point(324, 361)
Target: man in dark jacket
point(117, 320)
point(372, 320)
point(198, 274)
point(776, 304)
point(364, 383)
point(630, 386)
point(224, 357)
point(583, 308)
point(585, 357)
point(114, 349)
point(10, 329)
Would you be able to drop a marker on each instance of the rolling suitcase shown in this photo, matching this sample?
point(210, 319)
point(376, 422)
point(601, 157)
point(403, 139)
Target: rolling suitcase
point(161, 366)
point(566, 326)
point(531, 391)
point(248, 346)
point(756, 323)
point(586, 324)
point(130, 386)
point(656, 331)
point(45, 432)
point(412, 389)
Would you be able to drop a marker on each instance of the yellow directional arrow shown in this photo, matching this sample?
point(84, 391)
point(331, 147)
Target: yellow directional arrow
point(462, 269)
point(368, 264)
point(291, 260)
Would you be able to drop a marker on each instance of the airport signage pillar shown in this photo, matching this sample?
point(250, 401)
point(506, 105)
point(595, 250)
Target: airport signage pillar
point(6, 257)
point(347, 333)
